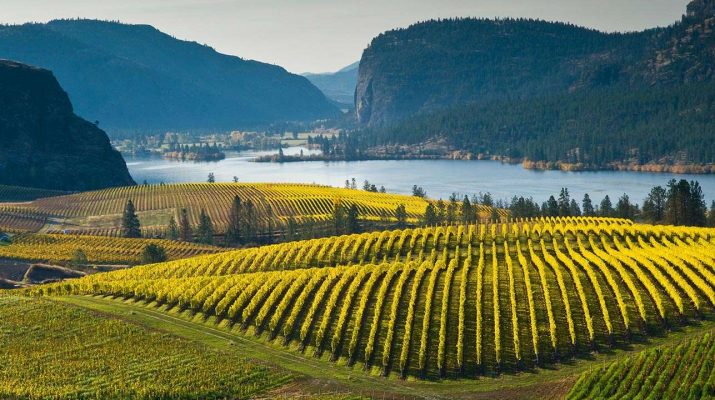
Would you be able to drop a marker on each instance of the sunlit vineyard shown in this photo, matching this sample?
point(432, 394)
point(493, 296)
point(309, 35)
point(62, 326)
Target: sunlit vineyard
point(58, 351)
point(98, 250)
point(92, 212)
point(682, 371)
point(17, 219)
point(449, 301)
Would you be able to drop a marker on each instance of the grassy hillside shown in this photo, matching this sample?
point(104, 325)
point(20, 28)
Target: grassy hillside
point(99, 212)
point(57, 351)
point(682, 371)
point(99, 250)
point(457, 301)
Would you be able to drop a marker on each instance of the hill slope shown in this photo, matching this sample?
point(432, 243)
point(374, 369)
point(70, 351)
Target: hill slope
point(446, 301)
point(134, 77)
point(99, 212)
point(545, 91)
point(44, 144)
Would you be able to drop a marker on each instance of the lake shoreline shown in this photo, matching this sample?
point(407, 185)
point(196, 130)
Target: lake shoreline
point(679, 169)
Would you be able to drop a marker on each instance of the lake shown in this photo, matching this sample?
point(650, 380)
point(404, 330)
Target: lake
point(438, 177)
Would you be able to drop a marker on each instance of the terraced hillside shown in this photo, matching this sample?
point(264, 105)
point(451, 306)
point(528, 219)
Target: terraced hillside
point(446, 301)
point(99, 250)
point(99, 212)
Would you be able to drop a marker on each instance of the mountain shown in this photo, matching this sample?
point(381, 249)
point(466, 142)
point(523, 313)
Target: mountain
point(338, 86)
point(134, 77)
point(545, 91)
point(44, 144)
point(437, 64)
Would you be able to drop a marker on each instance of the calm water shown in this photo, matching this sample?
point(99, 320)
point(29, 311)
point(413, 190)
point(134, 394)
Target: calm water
point(439, 177)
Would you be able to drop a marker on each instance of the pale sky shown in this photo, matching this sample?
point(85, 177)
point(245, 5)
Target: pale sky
point(326, 35)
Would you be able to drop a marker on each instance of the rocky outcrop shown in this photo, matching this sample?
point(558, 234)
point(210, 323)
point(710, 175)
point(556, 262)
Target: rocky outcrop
point(44, 144)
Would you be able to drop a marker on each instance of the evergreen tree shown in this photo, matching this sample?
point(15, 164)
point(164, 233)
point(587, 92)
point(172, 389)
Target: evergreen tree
point(418, 191)
point(676, 202)
point(486, 199)
point(430, 218)
point(452, 210)
point(291, 229)
point(401, 215)
point(697, 209)
point(212, 178)
point(352, 223)
point(441, 212)
point(172, 232)
point(564, 203)
point(654, 205)
point(233, 230)
point(606, 207)
point(205, 230)
point(338, 217)
point(184, 227)
point(249, 222)
point(152, 254)
point(624, 208)
point(551, 207)
point(574, 209)
point(130, 222)
point(685, 204)
point(269, 224)
point(587, 205)
point(467, 211)
point(521, 207)
point(711, 215)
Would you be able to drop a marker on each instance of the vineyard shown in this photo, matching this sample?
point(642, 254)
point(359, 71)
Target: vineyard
point(61, 249)
point(16, 219)
point(444, 301)
point(683, 371)
point(17, 194)
point(92, 212)
point(57, 351)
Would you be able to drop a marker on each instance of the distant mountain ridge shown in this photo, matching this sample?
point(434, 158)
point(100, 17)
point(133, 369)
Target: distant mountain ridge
point(44, 144)
point(338, 86)
point(134, 77)
point(438, 64)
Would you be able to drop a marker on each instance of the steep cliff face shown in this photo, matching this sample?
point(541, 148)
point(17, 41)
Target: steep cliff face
point(439, 64)
point(686, 51)
point(44, 144)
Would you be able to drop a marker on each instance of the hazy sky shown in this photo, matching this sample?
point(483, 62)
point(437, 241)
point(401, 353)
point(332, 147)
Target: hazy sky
point(325, 35)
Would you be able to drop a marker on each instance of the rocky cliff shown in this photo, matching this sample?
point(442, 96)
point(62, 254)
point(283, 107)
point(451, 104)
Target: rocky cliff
point(44, 144)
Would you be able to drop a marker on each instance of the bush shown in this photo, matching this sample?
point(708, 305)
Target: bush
point(152, 254)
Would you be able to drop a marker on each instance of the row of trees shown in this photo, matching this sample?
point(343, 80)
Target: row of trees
point(678, 203)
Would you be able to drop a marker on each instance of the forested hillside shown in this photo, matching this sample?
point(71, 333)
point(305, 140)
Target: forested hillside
point(545, 91)
point(136, 77)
